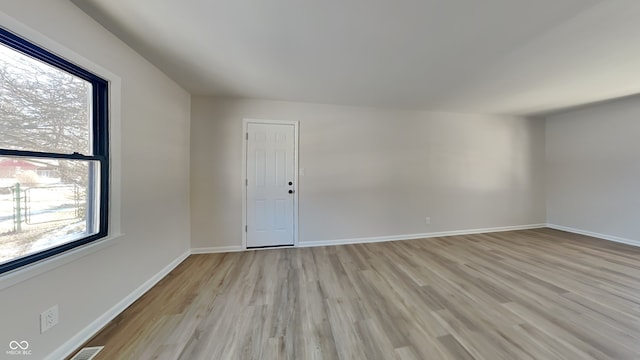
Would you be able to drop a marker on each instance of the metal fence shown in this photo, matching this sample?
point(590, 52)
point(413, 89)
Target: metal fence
point(22, 206)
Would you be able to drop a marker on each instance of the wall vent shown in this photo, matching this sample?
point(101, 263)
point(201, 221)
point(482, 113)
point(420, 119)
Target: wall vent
point(87, 353)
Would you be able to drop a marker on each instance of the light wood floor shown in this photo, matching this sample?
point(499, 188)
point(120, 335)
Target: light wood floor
point(533, 294)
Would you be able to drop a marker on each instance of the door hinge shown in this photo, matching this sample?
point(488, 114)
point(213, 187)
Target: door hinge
point(246, 228)
point(247, 136)
point(246, 182)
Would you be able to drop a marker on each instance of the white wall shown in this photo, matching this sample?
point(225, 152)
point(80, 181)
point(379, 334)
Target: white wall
point(155, 188)
point(593, 169)
point(371, 172)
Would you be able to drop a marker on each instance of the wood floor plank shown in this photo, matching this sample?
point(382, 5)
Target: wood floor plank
point(405, 353)
point(455, 349)
point(531, 294)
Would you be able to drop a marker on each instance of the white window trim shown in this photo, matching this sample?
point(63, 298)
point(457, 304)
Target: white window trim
point(115, 172)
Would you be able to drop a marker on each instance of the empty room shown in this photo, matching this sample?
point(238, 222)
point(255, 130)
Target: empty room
point(278, 179)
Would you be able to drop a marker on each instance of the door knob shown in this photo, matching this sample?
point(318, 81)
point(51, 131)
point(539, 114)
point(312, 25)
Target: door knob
point(291, 191)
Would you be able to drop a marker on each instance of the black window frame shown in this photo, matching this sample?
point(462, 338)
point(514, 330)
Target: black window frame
point(100, 142)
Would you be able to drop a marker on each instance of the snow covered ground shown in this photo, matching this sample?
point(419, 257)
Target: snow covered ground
point(54, 217)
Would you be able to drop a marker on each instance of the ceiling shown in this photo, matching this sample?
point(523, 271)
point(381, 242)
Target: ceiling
point(518, 57)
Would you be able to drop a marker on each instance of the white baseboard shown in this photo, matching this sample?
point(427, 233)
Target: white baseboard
point(83, 336)
point(363, 240)
point(79, 339)
point(217, 249)
point(596, 235)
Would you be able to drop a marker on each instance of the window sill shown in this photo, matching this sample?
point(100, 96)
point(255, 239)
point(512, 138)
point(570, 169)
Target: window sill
point(32, 270)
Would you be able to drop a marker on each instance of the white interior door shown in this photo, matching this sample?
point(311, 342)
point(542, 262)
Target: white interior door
point(270, 184)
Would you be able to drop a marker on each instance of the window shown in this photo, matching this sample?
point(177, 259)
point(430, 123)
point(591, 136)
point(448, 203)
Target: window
point(54, 154)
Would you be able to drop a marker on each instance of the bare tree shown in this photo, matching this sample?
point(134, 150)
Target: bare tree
point(43, 108)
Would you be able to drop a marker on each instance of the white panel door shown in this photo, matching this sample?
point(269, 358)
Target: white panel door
point(270, 184)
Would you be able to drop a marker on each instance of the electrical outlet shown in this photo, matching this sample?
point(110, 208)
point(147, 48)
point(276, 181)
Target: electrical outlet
point(48, 318)
point(427, 220)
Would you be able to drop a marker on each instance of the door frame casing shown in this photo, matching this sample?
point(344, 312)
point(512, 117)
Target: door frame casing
point(245, 131)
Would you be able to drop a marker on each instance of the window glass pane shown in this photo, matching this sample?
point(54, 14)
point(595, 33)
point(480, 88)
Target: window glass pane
point(45, 203)
point(42, 108)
